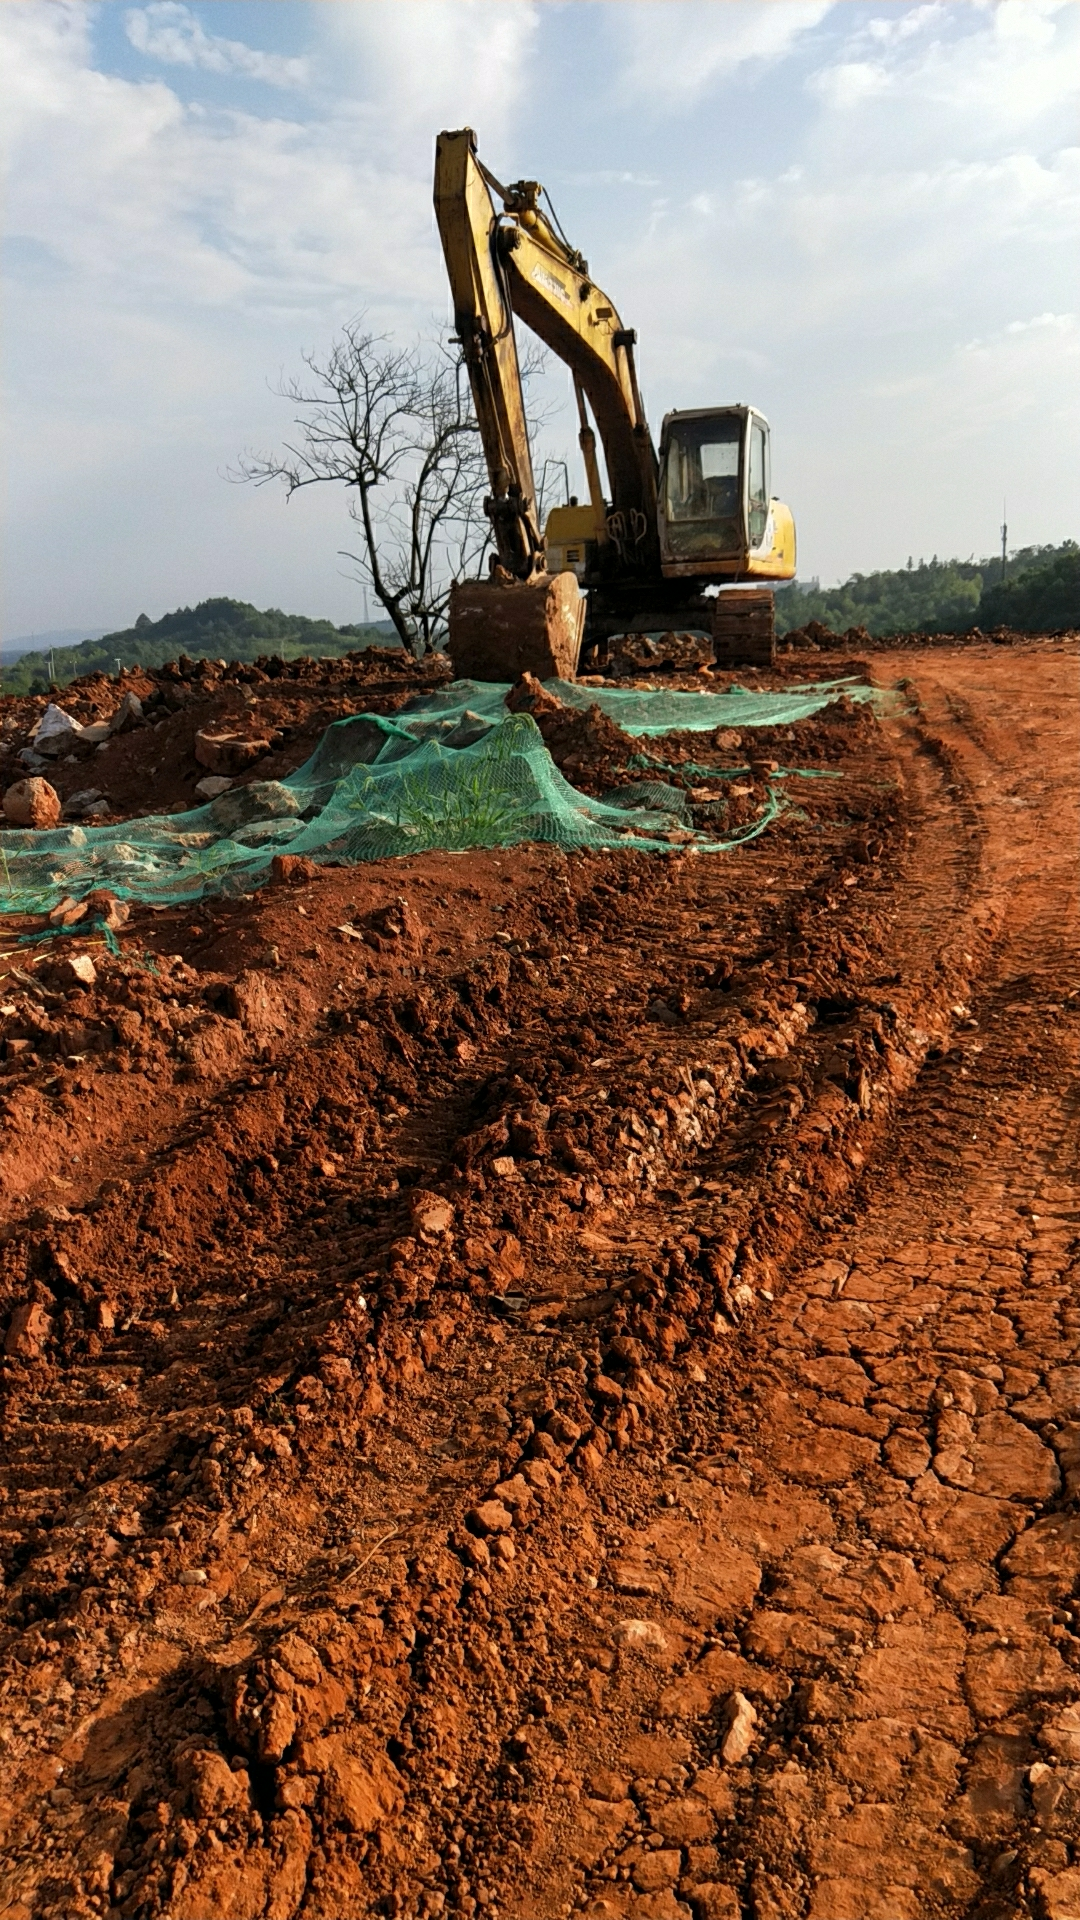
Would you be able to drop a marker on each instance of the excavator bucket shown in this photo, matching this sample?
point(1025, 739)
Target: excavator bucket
point(744, 628)
point(501, 629)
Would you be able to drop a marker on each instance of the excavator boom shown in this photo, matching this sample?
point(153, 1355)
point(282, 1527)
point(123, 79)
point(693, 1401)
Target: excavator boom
point(484, 324)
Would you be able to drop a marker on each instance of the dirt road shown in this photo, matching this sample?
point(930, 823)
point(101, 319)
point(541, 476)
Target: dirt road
point(596, 1431)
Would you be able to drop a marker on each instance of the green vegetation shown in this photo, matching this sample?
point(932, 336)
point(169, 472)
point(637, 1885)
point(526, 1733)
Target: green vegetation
point(1041, 591)
point(1045, 597)
point(214, 630)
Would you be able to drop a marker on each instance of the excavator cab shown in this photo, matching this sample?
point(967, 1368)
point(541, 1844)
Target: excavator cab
point(717, 517)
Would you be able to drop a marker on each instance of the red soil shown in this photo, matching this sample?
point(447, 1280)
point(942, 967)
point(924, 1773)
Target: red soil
point(541, 1384)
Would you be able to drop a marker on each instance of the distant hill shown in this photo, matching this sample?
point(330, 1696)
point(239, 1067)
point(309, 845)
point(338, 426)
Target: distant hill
point(944, 596)
point(41, 642)
point(214, 630)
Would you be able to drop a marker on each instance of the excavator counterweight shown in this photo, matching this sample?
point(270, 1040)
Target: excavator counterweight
point(676, 526)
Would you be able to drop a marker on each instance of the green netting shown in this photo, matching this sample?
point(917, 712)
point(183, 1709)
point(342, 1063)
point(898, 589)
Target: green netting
point(639, 710)
point(453, 771)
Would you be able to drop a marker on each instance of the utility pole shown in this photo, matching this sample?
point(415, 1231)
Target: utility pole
point(1004, 541)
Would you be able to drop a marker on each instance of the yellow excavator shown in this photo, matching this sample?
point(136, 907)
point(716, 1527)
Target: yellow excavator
point(699, 515)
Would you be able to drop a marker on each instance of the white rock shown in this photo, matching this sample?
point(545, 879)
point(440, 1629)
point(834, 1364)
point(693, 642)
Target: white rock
point(640, 1636)
point(55, 731)
point(213, 785)
point(739, 1738)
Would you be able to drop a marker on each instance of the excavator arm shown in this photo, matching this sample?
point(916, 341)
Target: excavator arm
point(484, 323)
point(515, 263)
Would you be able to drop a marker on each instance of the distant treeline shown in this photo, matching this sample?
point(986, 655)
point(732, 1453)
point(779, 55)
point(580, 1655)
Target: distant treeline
point(1040, 592)
point(214, 630)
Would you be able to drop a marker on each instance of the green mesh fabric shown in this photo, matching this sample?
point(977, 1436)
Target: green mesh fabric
point(453, 771)
point(642, 711)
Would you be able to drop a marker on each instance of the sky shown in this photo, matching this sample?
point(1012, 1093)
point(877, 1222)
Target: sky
point(861, 218)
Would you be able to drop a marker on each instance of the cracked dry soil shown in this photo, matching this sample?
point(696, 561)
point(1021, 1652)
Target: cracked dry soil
point(564, 1397)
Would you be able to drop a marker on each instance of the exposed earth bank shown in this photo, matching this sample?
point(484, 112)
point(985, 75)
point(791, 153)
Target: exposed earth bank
point(542, 1385)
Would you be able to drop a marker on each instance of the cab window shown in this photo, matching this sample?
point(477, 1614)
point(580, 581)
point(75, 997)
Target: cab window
point(758, 483)
point(701, 484)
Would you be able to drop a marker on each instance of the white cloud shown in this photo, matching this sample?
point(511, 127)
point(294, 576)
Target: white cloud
point(930, 73)
point(423, 65)
point(169, 31)
point(675, 50)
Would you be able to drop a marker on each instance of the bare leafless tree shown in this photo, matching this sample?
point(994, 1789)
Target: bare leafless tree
point(395, 425)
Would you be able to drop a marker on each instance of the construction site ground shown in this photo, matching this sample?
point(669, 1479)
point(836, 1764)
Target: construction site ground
point(544, 1384)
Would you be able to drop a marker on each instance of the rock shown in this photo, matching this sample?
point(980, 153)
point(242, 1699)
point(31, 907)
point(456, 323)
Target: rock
point(215, 1788)
point(606, 1390)
point(713, 1901)
point(85, 803)
point(335, 1372)
point(192, 1577)
point(28, 1330)
point(212, 785)
point(299, 1658)
point(1049, 1552)
point(1061, 1735)
point(257, 1002)
point(292, 869)
point(105, 906)
point(515, 1493)
point(262, 800)
point(56, 732)
point(77, 970)
point(640, 1636)
point(907, 1454)
point(361, 1787)
point(490, 1517)
point(67, 912)
point(993, 1801)
point(564, 1431)
point(999, 1680)
point(277, 1728)
point(1009, 1460)
point(714, 1788)
point(1055, 1796)
point(32, 803)
point(1058, 1893)
point(228, 753)
point(632, 1575)
point(127, 714)
point(529, 695)
point(685, 1821)
point(431, 1213)
point(739, 1738)
point(604, 1785)
point(659, 1869)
